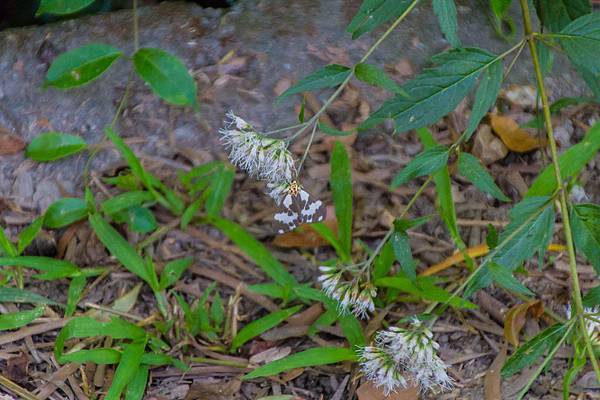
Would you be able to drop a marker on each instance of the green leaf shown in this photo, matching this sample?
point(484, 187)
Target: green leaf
point(500, 7)
point(119, 247)
point(580, 39)
point(270, 289)
point(262, 325)
point(131, 358)
point(61, 7)
point(64, 212)
point(138, 219)
point(485, 96)
point(27, 235)
point(443, 185)
point(6, 245)
point(373, 13)
point(529, 231)
point(445, 10)
point(307, 358)
point(137, 386)
point(533, 349)
point(331, 237)
point(219, 190)
point(74, 294)
point(18, 319)
point(52, 268)
point(571, 162)
point(217, 311)
point(556, 14)
point(586, 231)
point(591, 298)
point(426, 163)
point(341, 192)
point(173, 270)
point(504, 278)
point(52, 146)
point(375, 76)
point(383, 262)
point(81, 65)
point(435, 91)
point(329, 76)
point(471, 168)
point(328, 130)
point(256, 251)
point(403, 253)
point(84, 327)
point(424, 288)
point(16, 295)
point(167, 76)
point(125, 200)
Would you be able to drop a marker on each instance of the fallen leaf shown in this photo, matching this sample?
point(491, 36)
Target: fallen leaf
point(214, 390)
point(272, 354)
point(487, 147)
point(515, 138)
point(515, 319)
point(10, 144)
point(292, 374)
point(16, 368)
point(492, 383)
point(305, 237)
point(308, 316)
point(368, 391)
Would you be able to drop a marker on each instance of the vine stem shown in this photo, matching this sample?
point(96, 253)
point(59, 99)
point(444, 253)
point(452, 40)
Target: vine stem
point(562, 195)
point(342, 85)
point(402, 215)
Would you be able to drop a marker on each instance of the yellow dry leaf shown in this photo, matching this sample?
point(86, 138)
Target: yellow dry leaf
point(515, 138)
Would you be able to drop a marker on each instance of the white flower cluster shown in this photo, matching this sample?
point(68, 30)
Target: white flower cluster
point(592, 325)
point(405, 356)
point(260, 156)
point(355, 295)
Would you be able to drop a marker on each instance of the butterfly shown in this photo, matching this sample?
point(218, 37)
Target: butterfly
point(297, 208)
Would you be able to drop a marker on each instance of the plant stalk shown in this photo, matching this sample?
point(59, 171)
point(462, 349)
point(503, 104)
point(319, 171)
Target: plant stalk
point(562, 195)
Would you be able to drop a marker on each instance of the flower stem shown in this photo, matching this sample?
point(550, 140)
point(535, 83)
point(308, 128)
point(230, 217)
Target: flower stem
point(389, 233)
point(564, 210)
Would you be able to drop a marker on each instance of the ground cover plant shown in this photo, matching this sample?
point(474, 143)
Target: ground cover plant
point(357, 290)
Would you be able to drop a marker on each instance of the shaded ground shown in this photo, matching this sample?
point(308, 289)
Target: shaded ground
point(241, 60)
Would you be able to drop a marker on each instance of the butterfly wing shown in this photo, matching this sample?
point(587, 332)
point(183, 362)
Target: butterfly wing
point(312, 210)
point(296, 210)
point(288, 216)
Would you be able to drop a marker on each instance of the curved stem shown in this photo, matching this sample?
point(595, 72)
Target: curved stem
point(389, 233)
point(312, 136)
point(564, 209)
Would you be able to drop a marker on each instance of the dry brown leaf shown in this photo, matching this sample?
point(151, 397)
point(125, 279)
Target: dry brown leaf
point(16, 368)
point(515, 138)
point(10, 144)
point(516, 317)
point(492, 383)
point(308, 316)
point(292, 374)
point(214, 390)
point(305, 237)
point(272, 354)
point(368, 391)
